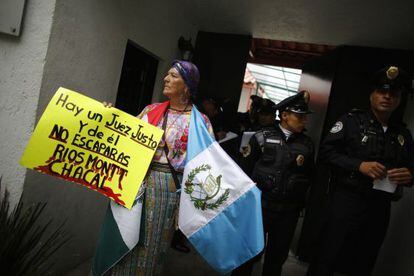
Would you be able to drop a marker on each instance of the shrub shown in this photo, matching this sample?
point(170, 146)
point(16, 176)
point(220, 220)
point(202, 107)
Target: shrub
point(23, 250)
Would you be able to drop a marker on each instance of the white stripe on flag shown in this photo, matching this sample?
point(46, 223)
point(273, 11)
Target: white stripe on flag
point(233, 178)
point(128, 222)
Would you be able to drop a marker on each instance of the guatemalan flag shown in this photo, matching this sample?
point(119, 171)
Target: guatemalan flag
point(220, 211)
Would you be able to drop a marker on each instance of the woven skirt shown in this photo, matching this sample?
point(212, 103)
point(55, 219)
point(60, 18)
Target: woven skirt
point(157, 227)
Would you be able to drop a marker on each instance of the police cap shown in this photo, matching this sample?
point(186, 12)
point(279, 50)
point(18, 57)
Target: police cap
point(256, 102)
point(391, 78)
point(267, 106)
point(297, 103)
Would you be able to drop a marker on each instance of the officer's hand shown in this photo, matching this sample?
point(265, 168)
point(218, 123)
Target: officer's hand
point(374, 170)
point(107, 104)
point(245, 151)
point(400, 176)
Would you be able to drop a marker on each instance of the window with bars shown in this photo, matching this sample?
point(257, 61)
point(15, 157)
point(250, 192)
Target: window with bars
point(277, 82)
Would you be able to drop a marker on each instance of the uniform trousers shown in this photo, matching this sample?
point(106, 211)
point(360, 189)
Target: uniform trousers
point(355, 230)
point(279, 226)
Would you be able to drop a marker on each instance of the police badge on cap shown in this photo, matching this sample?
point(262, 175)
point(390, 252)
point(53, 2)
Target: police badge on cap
point(391, 78)
point(392, 72)
point(297, 103)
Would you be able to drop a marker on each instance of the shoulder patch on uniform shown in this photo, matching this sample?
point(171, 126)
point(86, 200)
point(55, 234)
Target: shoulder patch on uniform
point(355, 111)
point(337, 127)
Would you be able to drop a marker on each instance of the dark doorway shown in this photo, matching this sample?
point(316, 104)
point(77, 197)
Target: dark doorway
point(137, 79)
point(221, 59)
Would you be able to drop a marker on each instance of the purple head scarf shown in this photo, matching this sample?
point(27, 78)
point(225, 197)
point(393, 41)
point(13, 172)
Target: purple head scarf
point(189, 73)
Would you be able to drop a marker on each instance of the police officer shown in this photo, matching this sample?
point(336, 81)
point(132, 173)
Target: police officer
point(248, 121)
point(372, 159)
point(280, 159)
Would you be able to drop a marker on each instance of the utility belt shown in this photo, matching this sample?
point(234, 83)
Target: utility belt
point(277, 186)
point(271, 183)
point(355, 182)
point(280, 206)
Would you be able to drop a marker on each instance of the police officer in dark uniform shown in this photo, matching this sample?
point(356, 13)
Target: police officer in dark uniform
point(372, 158)
point(248, 121)
point(280, 159)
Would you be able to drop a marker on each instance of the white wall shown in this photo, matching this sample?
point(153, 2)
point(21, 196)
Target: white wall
point(85, 54)
point(386, 24)
point(244, 98)
point(22, 61)
point(89, 39)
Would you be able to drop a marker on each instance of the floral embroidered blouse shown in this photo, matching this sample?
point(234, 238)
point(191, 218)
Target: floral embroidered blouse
point(176, 133)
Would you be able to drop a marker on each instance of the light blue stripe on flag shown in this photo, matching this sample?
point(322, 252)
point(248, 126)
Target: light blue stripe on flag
point(234, 236)
point(199, 138)
point(228, 233)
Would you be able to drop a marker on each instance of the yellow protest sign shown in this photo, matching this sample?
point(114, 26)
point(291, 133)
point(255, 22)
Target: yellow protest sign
point(105, 149)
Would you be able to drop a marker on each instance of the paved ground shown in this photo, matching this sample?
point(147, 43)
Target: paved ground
point(191, 264)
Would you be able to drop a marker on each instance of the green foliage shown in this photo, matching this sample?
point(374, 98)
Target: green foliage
point(196, 170)
point(218, 202)
point(189, 189)
point(23, 251)
point(199, 203)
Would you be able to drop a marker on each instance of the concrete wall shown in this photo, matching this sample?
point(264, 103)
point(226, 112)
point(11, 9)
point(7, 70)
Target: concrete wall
point(85, 54)
point(350, 22)
point(245, 94)
point(22, 61)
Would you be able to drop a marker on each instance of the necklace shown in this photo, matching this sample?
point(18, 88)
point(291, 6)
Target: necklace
point(166, 129)
point(175, 119)
point(178, 110)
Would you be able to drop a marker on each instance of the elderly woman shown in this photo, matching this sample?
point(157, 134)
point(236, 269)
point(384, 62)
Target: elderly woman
point(165, 173)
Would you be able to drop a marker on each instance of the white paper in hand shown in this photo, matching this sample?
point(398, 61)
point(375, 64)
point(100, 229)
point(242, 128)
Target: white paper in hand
point(384, 185)
point(229, 135)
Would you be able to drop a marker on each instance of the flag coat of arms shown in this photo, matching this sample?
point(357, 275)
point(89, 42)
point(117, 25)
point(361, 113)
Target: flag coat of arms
point(220, 210)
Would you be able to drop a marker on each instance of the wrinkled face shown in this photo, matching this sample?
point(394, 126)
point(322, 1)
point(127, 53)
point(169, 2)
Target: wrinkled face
point(383, 101)
point(294, 122)
point(174, 85)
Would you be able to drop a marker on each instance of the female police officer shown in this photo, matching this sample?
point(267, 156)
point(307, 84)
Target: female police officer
point(280, 159)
